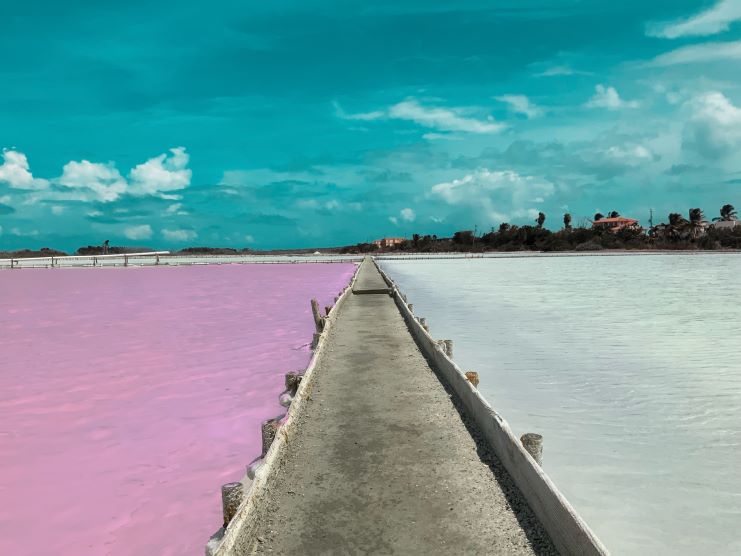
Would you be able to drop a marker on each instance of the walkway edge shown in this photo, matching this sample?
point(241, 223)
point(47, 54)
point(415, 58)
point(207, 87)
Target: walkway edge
point(568, 531)
point(238, 537)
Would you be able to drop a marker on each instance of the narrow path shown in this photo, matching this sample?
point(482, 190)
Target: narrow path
point(382, 462)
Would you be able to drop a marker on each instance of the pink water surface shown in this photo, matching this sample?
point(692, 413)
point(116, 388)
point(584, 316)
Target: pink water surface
point(128, 396)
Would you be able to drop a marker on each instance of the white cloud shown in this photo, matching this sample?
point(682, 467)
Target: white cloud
point(441, 119)
point(179, 235)
point(94, 181)
point(367, 116)
point(142, 231)
point(714, 127)
point(699, 53)
point(162, 173)
point(58, 209)
point(407, 215)
point(631, 156)
point(249, 239)
point(176, 209)
point(16, 172)
point(498, 194)
point(520, 104)
point(709, 22)
point(20, 233)
point(394, 220)
point(608, 97)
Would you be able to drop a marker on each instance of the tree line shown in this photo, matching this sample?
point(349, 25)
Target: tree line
point(693, 232)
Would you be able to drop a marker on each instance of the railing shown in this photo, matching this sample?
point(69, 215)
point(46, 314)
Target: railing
point(164, 258)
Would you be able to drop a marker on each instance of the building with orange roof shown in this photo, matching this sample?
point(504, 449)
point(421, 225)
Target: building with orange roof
point(615, 224)
point(388, 241)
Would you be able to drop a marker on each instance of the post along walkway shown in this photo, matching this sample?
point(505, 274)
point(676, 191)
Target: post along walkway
point(381, 462)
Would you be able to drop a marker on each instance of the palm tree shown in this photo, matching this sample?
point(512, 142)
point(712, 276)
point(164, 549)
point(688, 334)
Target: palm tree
point(598, 216)
point(695, 222)
point(676, 224)
point(567, 221)
point(540, 220)
point(727, 212)
point(614, 214)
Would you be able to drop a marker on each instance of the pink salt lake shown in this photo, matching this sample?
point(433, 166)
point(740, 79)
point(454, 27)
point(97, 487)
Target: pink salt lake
point(128, 396)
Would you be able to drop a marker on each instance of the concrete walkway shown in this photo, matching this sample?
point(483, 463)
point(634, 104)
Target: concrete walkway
point(381, 462)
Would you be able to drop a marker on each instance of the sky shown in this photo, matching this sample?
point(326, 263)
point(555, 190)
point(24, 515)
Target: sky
point(305, 123)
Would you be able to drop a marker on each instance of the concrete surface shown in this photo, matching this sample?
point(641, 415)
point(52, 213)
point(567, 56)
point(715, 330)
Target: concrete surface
point(369, 280)
point(381, 461)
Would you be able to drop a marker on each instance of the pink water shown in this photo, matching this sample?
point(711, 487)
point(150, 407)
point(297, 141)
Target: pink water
point(128, 396)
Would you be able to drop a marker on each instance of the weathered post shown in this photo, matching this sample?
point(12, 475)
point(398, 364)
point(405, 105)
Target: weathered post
point(327, 309)
point(126, 260)
point(318, 320)
point(473, 378)
point(411, 307)
point(293, 380)
point(315, 340)
point(253, 468)
point(448, 346)
point(269, 430)
point(533, 443)
point(231, 498)
point(423, 323)
point(11, 263)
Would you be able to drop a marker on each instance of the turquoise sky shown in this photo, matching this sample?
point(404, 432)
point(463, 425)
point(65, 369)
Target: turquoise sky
point(288, 123)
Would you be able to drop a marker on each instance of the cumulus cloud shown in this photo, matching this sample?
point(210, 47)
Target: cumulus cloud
point(162, 173)
point(499, 194)
point(714, 126)
point(608, 97)
point(520, 104)
point(699, 53)
point(631, 156)
point(15, 171)
point(716, 19)
point(179, 235)
point(441, 119)
point(407, 214)
point(93, 181)
point(142, 231)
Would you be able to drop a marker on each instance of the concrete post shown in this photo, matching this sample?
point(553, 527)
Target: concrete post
point(448, 348)
point(423, 323)
point(269, 430)
point(533, 443)
point(293, 380)
point(318, 321)
point(126, 260)
point(315, 340)
point(473, 378)
point(253, 467)
point(231, 498)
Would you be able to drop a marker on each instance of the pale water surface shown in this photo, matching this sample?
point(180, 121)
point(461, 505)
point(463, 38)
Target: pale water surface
point(629, 366)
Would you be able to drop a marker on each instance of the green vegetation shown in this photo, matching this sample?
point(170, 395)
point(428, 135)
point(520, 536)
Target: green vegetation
point(693, 232)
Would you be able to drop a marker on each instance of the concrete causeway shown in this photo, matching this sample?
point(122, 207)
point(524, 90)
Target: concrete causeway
point(381, 461)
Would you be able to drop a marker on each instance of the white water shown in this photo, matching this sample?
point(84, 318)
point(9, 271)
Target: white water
point(630, 368)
